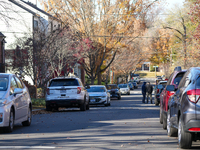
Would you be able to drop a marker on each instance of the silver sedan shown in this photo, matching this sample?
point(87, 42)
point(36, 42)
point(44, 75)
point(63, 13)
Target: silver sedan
point(15, 102)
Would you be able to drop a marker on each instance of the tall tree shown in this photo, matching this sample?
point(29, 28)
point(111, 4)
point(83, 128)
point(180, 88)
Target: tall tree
point(104, 22)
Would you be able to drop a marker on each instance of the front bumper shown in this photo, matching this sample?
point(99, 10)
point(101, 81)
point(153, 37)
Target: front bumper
point(65, 103)
point(113, 95)
point(5, 111)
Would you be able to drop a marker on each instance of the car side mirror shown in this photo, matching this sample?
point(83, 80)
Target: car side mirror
point(17, 91)
point(170, 88)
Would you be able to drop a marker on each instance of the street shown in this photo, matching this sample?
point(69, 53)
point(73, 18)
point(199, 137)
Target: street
point(126, 124)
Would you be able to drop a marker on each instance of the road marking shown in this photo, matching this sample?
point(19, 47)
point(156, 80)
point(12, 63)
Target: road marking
point(27, 147)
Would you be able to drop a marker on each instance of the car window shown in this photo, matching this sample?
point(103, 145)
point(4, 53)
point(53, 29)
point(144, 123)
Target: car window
point(198, 82)
point(111, 87)
point(178, 78)
point(96, 89)
point(123, 86)
point(64, 82)
point(19, 83)
point(13, 85)
point(3, 83)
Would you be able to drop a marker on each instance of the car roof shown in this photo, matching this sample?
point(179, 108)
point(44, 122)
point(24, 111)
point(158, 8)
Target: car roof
point(97, 85)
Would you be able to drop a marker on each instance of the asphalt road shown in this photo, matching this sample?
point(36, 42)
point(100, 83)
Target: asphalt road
point(126, 124)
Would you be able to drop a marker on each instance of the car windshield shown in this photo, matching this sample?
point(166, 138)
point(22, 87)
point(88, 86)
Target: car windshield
point(3, 83)
point(64, 82)
point(111, 87)
point(96, 89)
point(123, 86)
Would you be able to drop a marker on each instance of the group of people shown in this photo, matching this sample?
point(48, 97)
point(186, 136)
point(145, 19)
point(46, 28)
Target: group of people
point(147, 89)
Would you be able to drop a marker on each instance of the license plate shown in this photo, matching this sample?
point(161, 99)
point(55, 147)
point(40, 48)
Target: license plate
point(92, 100)
point(62, 91)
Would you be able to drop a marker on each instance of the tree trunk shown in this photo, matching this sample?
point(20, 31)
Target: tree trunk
point(92, 80)
point(99, 78)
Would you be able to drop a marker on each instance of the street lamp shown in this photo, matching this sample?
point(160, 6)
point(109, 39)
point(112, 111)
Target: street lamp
point(2, 53)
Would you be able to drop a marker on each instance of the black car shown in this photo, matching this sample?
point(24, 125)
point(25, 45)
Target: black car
point(157, 91)
point(183, 116)
point(114, 91)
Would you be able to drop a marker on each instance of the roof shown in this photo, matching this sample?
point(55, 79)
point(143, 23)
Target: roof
point(32, 6)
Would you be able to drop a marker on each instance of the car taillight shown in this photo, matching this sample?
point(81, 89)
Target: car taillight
point(48, 91)
point(193, 95)
point(78, 90)
point(157, 90)
point(170, 93)
point(194, 129)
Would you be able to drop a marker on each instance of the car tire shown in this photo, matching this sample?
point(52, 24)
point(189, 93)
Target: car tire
point(88, 106)
point(109, 104)
point(184, 138)
point(83, 107)
point(48, 108)
point(164, 123)
point(171, 132)
point(11, 121)
point(128, 93)
point(156, 102)
point(29, 119)
point(119, 97)
point(161, 117)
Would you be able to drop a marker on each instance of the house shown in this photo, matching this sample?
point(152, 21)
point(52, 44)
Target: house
point(27, 21)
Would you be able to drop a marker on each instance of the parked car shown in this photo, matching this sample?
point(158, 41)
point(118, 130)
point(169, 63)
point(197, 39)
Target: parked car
point(158, 78)
point(131, 86)
point(183, 115)
point(136, 77)
point(99, 95)
point(15, 102)
point(124, 88)
point(157, 91)
point(66, 92)
point(135, 85)
point(114, 91)
point(174, 79)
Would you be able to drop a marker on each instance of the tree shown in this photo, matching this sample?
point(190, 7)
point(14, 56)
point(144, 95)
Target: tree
point(104, 23)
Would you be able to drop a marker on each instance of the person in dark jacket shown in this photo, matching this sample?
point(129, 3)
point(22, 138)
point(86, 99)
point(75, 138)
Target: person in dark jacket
point(149, 90)
point(143, 92)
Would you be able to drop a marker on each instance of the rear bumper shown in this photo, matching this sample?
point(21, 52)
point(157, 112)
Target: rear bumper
point(191, 124)
point(113, 95)
point(65, 103)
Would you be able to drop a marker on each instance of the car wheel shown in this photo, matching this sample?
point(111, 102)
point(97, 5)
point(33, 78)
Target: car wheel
point(128, 93)
point(164, 123)
point(48, 108)
point(156, 102)
point(161, 117)
point(28, 121)
point(83, 107)
point(184, 138)
point(88, 106)
point(11, 121)
point(119, 97)
point(171, 132)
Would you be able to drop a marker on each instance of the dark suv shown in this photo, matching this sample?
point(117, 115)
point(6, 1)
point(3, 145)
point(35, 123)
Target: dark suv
point(174, 79)
point(184, 109)
point(114, 91)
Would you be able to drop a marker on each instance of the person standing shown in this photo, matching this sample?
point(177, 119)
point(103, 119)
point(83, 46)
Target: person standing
point(149, 90)
point(143, 92)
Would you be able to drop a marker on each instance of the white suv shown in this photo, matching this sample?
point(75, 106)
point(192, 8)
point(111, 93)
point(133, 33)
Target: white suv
point(66, 92)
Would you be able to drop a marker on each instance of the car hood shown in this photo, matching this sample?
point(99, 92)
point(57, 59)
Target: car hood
point(97, 94)
point(123, 88)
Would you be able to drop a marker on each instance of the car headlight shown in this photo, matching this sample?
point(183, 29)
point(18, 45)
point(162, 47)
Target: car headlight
point(3, 102)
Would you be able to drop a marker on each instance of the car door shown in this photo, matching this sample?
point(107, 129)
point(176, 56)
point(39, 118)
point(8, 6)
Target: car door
point(23, 99)
point(15, 98)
